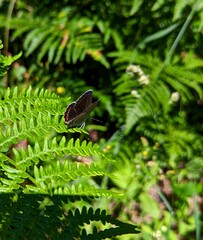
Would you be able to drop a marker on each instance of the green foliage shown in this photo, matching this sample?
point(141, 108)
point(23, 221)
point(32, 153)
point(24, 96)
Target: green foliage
point(144, 95)
point(144, 175)
point(143, 60)
point(68, 36)
point(42, 216)
point(44, 166)
point(34, 115)
point(150, 100)
point(5, 62)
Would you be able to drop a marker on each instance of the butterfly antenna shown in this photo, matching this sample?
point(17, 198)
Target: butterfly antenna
point(96, 120)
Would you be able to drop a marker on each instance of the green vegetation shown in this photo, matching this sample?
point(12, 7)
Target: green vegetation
point(137, 172)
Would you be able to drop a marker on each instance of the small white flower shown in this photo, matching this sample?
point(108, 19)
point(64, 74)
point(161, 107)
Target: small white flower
point(134, 69)
point(157, 235)
point(144, 80)
point(164, 228)
point(135, 94)
point(175, 96)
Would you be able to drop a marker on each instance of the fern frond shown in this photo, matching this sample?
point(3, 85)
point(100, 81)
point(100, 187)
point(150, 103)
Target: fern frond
point(33, 116)
point(30, 128)
point(29, 114)
point(35, 38)
point(37, 99)
point(184, 81)
point(152, 98)
point(67, 36)
point(87, 191)
point(58, 174)
point(49, 150)
point(41, 208)
point(27, 94)
point(86, 215)
point(6, 61)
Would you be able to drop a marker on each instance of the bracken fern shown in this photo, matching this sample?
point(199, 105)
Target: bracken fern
point(41, 175)
point(153, 98)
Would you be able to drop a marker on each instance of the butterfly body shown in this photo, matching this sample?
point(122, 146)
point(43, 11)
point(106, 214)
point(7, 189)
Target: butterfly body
point(77, 112)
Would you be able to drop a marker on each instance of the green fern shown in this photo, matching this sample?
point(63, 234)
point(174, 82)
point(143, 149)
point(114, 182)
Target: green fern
point(34, 115)
point(70, 224)
point(152, 111)
point(154, 97)
point(6, 61)
point(28, 114)
point(68, 36)
point(45, 169)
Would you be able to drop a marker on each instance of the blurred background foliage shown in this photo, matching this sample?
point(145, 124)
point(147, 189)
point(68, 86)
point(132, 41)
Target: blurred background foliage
point(143, 60)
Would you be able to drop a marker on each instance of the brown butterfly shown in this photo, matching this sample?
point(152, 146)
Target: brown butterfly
point(77, 112)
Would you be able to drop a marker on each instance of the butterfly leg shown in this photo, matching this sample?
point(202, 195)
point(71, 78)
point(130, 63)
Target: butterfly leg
point(82, 125)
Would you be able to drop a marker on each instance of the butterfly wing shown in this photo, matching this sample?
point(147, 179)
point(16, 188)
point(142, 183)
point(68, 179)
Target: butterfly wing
point(77, 112)
point(70, 113)
point(83, 101)
point(80, 119)
point(90, 108)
